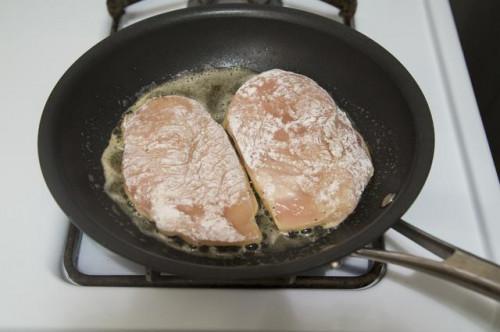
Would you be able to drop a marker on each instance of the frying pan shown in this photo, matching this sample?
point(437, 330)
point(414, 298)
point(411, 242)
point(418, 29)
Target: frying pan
point(374, 89)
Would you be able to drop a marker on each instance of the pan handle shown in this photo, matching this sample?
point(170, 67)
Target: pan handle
point(457, 266)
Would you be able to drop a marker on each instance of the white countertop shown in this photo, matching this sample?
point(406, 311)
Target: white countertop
point(41, 39)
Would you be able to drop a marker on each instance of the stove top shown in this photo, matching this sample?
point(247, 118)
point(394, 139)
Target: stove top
point(459, 202)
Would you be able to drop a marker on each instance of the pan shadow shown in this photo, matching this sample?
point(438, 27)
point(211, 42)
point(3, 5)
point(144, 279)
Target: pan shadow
point(56, 260)
point(460, 299)
point(481, 308)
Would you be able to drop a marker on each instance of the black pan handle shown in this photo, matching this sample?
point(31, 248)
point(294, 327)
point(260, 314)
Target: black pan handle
point(457, 266)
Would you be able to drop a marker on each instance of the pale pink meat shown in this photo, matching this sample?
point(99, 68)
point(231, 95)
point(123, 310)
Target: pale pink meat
point(182, 173)
point(306, 161)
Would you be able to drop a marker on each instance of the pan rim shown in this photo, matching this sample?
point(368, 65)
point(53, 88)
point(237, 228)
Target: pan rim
point(422, 159)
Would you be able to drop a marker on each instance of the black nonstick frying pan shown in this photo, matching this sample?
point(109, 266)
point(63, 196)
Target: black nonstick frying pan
point(375, 90)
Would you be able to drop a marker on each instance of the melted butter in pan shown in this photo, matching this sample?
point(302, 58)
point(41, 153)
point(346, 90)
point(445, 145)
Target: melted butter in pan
point(214, 88)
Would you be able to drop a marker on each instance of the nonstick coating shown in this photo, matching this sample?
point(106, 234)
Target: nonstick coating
point(375, 90)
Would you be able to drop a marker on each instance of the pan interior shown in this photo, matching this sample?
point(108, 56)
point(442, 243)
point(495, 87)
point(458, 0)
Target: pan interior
point(213, 87)
point(92, 96)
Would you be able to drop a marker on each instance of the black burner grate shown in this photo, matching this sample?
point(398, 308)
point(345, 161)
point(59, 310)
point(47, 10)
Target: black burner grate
point(116, 8)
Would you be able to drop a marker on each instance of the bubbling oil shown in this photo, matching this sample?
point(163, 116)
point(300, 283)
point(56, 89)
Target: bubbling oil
point(214, 88)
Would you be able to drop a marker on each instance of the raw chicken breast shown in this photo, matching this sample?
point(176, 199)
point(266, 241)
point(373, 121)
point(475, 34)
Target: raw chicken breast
point(306, 161)
point(182, 172)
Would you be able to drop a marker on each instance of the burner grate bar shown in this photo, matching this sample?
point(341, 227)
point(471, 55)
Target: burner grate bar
point(157, 279)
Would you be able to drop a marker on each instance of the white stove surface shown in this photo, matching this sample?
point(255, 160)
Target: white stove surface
point(459, 202)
